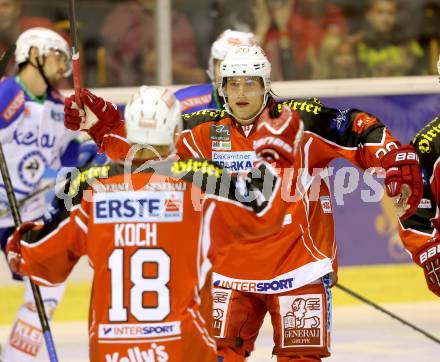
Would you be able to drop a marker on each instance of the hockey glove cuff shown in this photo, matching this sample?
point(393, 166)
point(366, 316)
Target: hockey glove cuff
point(402, 167)
point(13, 246)
point(428, 257)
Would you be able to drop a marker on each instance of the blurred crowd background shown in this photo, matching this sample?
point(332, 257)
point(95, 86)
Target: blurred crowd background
point(304, 39)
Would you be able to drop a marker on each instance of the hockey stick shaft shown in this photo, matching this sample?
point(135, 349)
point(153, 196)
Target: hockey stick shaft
point(75, 53)
point(17, 220)
point(383, 310)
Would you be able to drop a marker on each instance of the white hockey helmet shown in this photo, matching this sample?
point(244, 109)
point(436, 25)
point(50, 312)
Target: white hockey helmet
point(152, 116)
point(245, 61)
point(45, 40)
point(224, 42)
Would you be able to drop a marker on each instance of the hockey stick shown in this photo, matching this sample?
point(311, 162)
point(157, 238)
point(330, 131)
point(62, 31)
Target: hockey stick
point(383, 310)
point(17, 220)
point(75, 53)
point(24, 200)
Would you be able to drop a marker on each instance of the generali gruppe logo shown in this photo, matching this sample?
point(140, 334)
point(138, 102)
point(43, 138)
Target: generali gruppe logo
point(302, 320)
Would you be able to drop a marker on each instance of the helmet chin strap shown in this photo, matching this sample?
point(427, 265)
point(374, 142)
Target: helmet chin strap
point(229, 110)
point(40, 66)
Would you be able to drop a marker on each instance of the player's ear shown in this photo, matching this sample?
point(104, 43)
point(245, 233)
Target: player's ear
point(33, 55)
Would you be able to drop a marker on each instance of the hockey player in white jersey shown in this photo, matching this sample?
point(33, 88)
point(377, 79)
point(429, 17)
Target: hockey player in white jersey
point(34, 139)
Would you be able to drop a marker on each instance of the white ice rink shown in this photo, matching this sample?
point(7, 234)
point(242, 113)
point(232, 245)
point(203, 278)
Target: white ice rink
point(360, 334)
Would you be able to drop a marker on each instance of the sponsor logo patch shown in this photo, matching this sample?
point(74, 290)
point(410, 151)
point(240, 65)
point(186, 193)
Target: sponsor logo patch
point(425, 204)
point(205, 167)
point(221, 145)
point(155, 353)
point(264, 287)
point(26, 338)
point(301, 320)
point(150, 330)
point(13, 106)
point(138, 206)
point(221, 299)
point(235, 161)
point(326, 204)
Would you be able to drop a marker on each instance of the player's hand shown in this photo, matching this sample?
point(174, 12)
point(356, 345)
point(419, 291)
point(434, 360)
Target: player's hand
point(278, 137)
point(403, 168)
point(13, 245)
point(428, 257)
point(98, 117)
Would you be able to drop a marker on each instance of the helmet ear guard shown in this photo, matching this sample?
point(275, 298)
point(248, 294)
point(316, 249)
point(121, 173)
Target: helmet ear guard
point(152, 117)
point(45, 40)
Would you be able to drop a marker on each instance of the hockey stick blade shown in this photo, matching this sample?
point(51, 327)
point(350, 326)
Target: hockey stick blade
point(388, 313)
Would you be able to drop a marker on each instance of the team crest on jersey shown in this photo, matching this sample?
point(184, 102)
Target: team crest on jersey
point(220, 299)
point(221, 137)
point(302, 320)
point(31, 168)
point(220, 133)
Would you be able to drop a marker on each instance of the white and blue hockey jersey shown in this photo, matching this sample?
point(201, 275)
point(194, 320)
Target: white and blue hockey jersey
point(34, 140)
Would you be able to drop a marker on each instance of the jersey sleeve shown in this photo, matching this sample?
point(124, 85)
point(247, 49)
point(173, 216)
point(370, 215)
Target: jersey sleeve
point(189, 146)
point(50, 254)
point(250, 204)
point(50, 260)
point(352, 134)
point(424, 224)
point(12, 106)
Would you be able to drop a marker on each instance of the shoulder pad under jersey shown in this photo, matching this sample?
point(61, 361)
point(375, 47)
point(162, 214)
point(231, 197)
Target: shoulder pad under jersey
point(12, 99)
point(191, 120)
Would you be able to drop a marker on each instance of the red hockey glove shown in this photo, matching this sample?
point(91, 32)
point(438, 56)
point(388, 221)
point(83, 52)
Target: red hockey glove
point(98, 117)
point(428, 257)
point(402, 167)
point(278, 138)
point(13, 247)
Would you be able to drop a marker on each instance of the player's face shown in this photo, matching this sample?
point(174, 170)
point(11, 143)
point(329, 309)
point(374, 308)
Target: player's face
point(55, 65)
point(245, 97)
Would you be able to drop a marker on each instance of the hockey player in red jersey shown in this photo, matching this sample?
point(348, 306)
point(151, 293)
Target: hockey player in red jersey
point(286, 273)
point(146, 242)
point(420, 233)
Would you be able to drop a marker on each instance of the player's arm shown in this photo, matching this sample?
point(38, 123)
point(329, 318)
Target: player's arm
point(365, 141)
point(12, 100)
point(101, 120)
point(48, 252)
point(420, 233)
